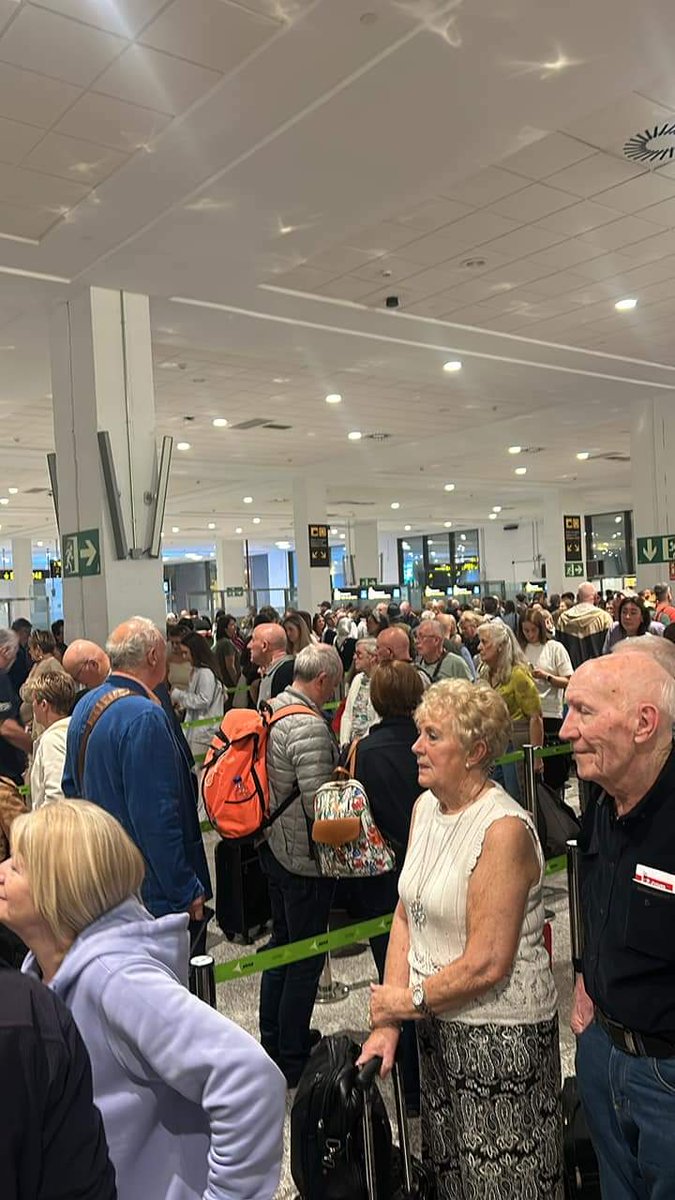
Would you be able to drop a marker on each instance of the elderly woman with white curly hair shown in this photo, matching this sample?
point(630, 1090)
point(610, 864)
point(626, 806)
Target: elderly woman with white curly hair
point(467, 960)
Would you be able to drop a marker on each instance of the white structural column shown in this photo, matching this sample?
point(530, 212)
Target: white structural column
point(551, 530)
point(22, 584)
point(102, 381)
point(309, 508)
point(230, 566)
point(366, 551)
point(652, 448)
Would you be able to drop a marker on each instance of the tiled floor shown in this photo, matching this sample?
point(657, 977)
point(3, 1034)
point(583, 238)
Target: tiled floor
point(239, 1000)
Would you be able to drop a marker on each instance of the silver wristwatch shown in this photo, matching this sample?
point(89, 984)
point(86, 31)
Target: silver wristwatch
point(419, 999)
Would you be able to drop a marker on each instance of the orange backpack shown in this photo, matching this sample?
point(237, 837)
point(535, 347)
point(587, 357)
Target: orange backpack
point(234, 785)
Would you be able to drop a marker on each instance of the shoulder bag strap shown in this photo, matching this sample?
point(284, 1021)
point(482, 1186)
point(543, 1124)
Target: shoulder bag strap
point(439, 664)
point(94, 716)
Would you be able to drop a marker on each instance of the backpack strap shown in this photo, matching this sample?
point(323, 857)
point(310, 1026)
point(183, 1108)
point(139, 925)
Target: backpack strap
point(94, 716)
point(272, 717)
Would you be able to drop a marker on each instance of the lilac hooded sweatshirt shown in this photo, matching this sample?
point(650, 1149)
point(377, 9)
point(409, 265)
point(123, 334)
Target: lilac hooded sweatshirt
point(192, 1106)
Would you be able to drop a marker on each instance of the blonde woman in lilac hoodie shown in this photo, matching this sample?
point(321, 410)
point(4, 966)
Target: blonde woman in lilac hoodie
point(192, 1106)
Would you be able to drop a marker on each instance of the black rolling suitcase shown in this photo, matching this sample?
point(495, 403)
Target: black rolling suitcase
point(582, 1178)
point(242, 899)
point(341, 1143)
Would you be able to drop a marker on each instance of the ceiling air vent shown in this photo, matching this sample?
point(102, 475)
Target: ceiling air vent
point(376, 437)
point(275, 425)
point(36, 491)
point(355, 503)
point(653, 147)
point(611, 456)
point(253, 423)
point(532, 450)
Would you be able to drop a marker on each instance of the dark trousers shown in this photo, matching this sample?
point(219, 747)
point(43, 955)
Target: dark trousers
point(377, 897)
point(300, 907)
point(629, 1105)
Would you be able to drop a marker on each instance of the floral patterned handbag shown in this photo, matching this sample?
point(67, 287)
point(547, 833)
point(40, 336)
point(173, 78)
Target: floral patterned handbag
point(348, 843)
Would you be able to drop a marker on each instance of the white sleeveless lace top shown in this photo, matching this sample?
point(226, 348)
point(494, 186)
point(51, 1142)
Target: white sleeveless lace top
point(443, 852)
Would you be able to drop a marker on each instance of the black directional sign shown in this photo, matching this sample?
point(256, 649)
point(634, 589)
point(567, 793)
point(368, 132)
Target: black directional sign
point(319, 550)
point(573, 551)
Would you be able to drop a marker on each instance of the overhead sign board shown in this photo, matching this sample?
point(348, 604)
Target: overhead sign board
point(81, 553)
point(319, 550)
point(574, 570)
point(658, 548)
point(368, 581)
point(573, 539)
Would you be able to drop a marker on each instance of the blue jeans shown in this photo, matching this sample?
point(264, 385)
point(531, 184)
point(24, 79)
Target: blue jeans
point(300, 907)
point(629, 1104)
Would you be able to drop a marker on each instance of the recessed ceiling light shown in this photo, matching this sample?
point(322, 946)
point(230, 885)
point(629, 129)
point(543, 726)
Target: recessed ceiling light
point(521, 471)
point(463, 536)
point(239, 529)
point(248, 499)
point(175, 529)
point(496, 508)
point(626, 305)
point(211, 525)
point(39, 543)
point(169, 366)
point(452, 366)
point(343, 535)
point(583, 455)
point(449, 487)
point(333, 398)
point(4, 499)
point(256, 520)
point(13, 491)
point(515, 449)
point(183, 446)
point(395, 504)
point(219, 422)
point(618, 520)
point(355, 435)
point(493, 516)
point(407, 528)
point(334, 532)
point(448, 524)
point(283, 545)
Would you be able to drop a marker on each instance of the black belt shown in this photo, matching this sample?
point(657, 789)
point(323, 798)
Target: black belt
point(640, 1045)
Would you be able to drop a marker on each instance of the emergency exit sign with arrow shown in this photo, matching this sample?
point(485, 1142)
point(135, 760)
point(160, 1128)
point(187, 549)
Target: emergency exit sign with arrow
point(81, 553)
point(658, 548)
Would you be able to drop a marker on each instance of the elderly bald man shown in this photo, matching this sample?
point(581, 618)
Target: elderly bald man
point(269, 652)
point(393, 644)
point(620, 724)
point(86, 663)
point(123, 755)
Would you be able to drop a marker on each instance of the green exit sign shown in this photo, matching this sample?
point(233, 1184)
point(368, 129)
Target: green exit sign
point(658, 548)
point(574, 570)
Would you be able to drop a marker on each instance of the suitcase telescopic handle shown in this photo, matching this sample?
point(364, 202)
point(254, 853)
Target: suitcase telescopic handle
point(368, 1073)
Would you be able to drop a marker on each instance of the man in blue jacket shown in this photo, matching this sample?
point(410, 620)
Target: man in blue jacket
point(129, 761)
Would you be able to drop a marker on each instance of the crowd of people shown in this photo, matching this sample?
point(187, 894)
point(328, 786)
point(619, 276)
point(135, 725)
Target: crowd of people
point(104, 883)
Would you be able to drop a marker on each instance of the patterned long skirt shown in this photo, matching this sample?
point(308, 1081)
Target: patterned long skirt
point(491, 1120)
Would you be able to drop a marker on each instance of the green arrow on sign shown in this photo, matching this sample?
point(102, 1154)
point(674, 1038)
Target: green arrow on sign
point(649, 550)
point(88, 552)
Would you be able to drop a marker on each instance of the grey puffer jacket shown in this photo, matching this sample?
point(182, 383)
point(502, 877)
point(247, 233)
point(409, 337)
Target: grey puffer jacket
point(302, 748)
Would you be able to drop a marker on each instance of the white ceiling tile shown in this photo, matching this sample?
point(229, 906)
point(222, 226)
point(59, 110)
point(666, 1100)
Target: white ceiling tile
point(619, 233)
point(465, 234)
point(18, 186)
point(557, 284)
point(610, 128)
point(484, 188)
point(593, 175)
point(340, 260)
point(651, 248)
point(70, 158)
point(661, 214)
point(507, 323)
point(111, 122)
point(432, 214)
point(579, 218)
point(212, 33)
point(17, 140)
point(660, 91)
point(565, 254)
point(515, 273)
point(278, 10)
point(639, 193)
point(349, 287)
point(377, 239)
point(604, 266)
point(521, 242)
point(303, 279)
point(550, 153)
point(46, 42)
point(22, 221)
point(125, 17)
point(155, 80)
point(372, 270)
point(535, 202)
point(33, 99)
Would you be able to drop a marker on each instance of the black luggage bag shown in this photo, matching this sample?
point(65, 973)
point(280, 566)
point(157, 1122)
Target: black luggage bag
point(582, 1177)
point(242, 899)
point(341, 1143)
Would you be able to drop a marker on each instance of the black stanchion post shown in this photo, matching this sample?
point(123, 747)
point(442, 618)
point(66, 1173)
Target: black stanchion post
point(530, 782)
point(203, 978)
point(574, 887)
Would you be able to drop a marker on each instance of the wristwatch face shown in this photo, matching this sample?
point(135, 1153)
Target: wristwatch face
point(418, 996)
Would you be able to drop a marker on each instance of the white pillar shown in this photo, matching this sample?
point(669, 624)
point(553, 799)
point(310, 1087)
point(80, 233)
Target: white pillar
point(22, 584)
point(102, 380)
point(552, 542)
point(366, 551)
point(230, 567)
point(309, 508)
point(652, 450)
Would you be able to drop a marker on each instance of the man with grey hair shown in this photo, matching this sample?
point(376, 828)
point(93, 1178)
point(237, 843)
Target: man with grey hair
point(301, 755)
point(621, 710)
point(15, 743)
point(437, 662)
point(123, 755)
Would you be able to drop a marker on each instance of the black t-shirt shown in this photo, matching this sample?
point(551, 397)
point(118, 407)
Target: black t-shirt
point(628, 908)
point(12, 760)
point(387, 768)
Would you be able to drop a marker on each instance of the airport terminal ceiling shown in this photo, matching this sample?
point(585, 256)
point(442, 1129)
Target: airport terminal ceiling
point(269, 172)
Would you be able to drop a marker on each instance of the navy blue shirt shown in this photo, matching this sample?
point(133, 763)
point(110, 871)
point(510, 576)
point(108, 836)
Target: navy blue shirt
point(629, 926)
point(12, 760)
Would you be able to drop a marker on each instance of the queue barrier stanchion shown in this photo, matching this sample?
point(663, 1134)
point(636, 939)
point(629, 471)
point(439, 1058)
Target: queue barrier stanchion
point(330, 991)
point(203, 978)
point(574, 888)
point(530, 798)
